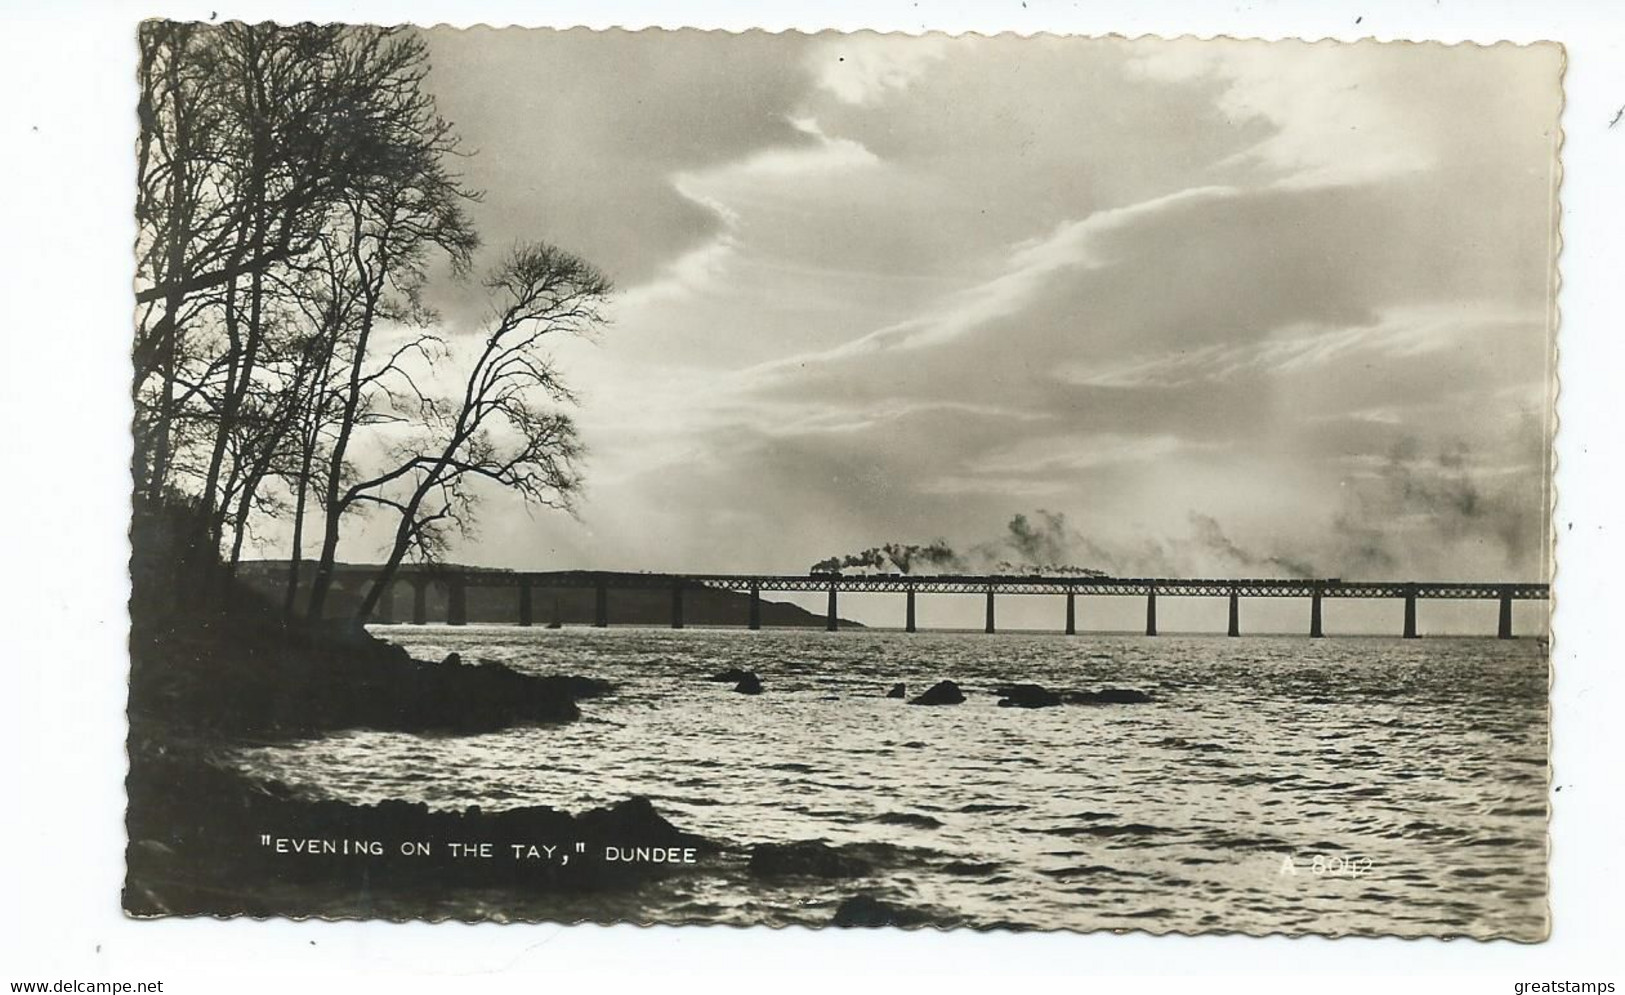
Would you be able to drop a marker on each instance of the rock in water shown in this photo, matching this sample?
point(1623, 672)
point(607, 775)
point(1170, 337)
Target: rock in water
point(807, 858)
point(1026, 696)
point(733, 675)
point(579, 687)
point(452, 660)
point(915, 819)
point(1108, 696)
point(941, 693)
point(864, 911)
point(897, 691)
point(749, 684)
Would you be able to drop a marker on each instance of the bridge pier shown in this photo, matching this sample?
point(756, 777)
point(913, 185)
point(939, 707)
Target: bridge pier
point(1151, 611)
point(677, 605)
point(457, 601)
point(1235, 612)
point(756, 605)
point(908, 625)
point(1314, 615)
point(832, 621)
point(1503, 629)
point(991, 627)
point(600, 607)
point(526, 616)
point(1071, 613)
point(420, 601)
point(385, 612)
point(1410, 611)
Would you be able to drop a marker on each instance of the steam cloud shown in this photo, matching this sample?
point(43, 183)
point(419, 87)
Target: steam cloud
point(1046, 543)
point(1410, 513)
point(1043, 544)
point(894, 557)
point(1417, 506)
point(1212, 537)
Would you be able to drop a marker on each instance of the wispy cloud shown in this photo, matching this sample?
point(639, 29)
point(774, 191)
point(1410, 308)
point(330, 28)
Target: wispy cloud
point(1331, 122)
point(1396, 334)
point(1028, 266)
point(801, 419)
point(1050, 463)
point(863, 69)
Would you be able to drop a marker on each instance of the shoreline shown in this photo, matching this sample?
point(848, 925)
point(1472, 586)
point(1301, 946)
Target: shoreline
point(207, 840)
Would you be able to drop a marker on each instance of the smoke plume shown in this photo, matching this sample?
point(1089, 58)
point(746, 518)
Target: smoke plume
point(1043, 544)
point(1211, 537)
point(893, 557)
point(1407, 515)
point(1416, 508)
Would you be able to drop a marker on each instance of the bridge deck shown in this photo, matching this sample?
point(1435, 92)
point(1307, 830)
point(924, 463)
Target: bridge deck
point(457, 582)
point(1000, 584)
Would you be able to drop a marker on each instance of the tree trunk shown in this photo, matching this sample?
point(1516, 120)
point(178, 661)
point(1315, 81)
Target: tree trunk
point(217, 456)
point(180, 236)
point(323, 581)
point(397, 553)
point(409, 514)
point(229, 588)
point(297, 553)
point(158, 465)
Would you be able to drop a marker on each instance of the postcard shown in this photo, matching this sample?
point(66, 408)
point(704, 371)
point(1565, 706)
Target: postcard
point(862, 480)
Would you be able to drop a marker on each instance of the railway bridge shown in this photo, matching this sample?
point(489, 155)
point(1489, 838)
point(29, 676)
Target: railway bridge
point(1070, 588)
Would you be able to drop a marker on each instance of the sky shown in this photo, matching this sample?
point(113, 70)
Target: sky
point(1190, 308)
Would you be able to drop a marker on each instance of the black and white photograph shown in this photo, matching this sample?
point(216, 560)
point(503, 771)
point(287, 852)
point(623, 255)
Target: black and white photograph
point(988, 482)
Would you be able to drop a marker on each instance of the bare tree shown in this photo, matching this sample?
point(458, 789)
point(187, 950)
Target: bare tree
point(295, 187)
point(390, 230)
point(505, 430)
point(176, 209)
point(260, 146)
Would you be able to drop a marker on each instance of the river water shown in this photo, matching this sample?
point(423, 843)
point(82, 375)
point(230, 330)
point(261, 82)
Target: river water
point(1276, 784)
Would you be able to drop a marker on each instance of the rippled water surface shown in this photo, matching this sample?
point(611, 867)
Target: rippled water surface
point(1422, 762)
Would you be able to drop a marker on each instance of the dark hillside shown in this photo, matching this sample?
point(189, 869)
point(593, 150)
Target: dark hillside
point(702, 606)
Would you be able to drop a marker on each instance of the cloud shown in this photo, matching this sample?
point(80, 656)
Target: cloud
point(708, 265)
point(803, 419)
point(1333, 119)
point(862, 70)
point(576, 135)
point(1356, 114)
point(699, 268)
point(828, 155)
point(1393, 334)
point(1072, 246)
point(1058, 460)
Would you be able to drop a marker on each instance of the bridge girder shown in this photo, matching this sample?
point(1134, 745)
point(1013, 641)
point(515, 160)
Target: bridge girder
point(1000, 584)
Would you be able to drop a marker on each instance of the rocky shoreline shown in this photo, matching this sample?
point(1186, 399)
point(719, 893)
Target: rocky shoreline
point(207, 839)
point(251, 676)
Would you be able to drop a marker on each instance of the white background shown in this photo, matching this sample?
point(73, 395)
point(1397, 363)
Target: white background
point(68, 130)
